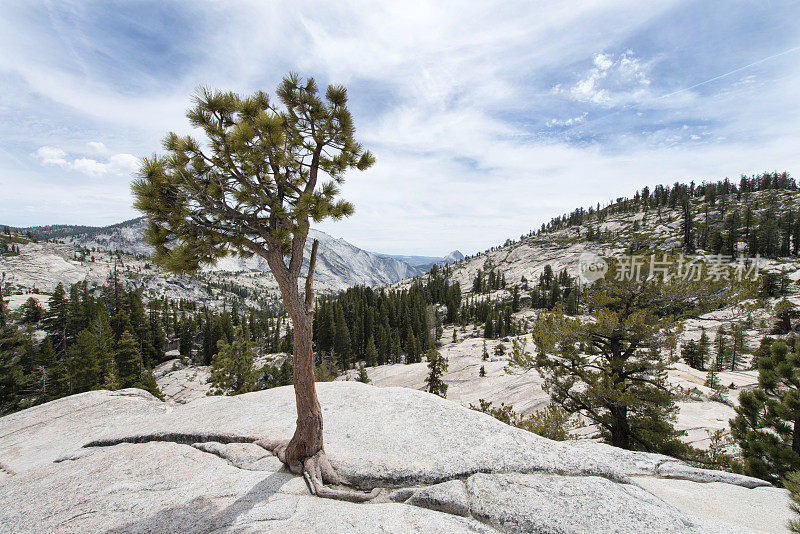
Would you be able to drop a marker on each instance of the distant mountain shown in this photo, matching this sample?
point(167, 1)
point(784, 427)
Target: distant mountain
point(453, 257)
point(423, 264)
point(339, 263)
point(414, 261)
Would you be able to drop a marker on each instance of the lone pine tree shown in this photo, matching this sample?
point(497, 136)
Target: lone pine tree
point(437, 365)
point(613, 369)
point(253, 188)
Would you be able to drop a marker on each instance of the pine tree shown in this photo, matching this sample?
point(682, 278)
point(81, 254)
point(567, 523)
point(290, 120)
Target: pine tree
point(412, 348)
point(703, 345)
point(712, 380)
point(623, 388)
point(12, 378)
point(56, 320)
point(767, 422)
point(687, 225)
point(792, 483)
point(691, 355)
point(128, 361)
point(737, 346)
point(371, 354)
point(341, 340)
point(362, 375)
point(46, 364)
point(84, 362)
point(437, 365)
point(722, 359)
point(232, 367)
point(785, 312)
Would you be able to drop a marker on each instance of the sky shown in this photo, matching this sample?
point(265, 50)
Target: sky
point(486, 118)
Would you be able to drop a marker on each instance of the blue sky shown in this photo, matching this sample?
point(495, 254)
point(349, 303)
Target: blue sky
point(486, 119)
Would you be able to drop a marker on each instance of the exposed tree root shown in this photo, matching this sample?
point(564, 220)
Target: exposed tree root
point(317, 470)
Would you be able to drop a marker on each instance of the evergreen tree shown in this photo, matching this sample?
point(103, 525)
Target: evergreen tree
point(57, 318)
point(737, 346)
point(362, 375)
point(46, 364)
point(277, 376)
point(371, 354)
point(413, 349)
point(722, 359)
point(792, 483)
point(688, 226)
point(623, 388)
point(785, 312)
point(232, 367)
point(128, 361)
point(703, 346)
point(12, 378)
point(341, 340)
point(437, 365)
point(691, 355)
point(84, 362)
point(767, 422)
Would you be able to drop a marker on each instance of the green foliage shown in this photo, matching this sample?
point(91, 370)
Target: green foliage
point(362, 375)
point(552, 422)
point(12, 375)
point(437, 365)
point(378, 326)
point(232, 367)
point(619, 380)
point(255, 187)
point(785, 314)
point(692, 355)
point(767, 422)
point(503, 413)
point(718, 455)
point(277, 376)
point(324, 373)
point(792, 483)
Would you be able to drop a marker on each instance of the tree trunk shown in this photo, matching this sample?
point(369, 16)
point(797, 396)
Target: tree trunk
point(307, 439)
point(796, 436)
point(620, 431)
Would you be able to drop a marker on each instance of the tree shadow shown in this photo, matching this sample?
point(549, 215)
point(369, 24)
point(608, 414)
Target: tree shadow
point(201, 514)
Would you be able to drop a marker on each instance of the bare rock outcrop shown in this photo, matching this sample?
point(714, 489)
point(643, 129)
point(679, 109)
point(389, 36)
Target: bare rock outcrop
point(126, 462)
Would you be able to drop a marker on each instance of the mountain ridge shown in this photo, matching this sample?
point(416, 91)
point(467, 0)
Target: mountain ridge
point(340, 264)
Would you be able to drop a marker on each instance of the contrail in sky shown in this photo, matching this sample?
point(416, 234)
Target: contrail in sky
point(734, 71)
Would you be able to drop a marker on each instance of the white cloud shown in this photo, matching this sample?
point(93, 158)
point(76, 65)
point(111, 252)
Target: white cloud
point(567, 122)
point(451, 100)
point(123, 164)
point(117, 164)
point(97, 147)
point(90, 167)
point(611, 81)
point(50, 155)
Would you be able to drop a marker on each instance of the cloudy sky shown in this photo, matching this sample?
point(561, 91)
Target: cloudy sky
point(486, 118)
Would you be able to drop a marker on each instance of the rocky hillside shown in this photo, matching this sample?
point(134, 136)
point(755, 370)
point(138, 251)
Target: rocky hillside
point(41, 266)
point(617, 229)
point(125, 462)
point(339, 263)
